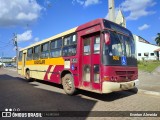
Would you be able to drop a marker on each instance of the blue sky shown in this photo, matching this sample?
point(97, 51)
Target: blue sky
point(35, 20)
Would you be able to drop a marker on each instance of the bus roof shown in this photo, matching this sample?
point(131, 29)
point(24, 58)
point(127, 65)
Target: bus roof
point(51, 38)
point(78, 28)
point(83, 26)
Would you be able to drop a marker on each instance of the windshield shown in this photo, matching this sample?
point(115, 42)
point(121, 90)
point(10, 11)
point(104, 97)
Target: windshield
point(120, 45)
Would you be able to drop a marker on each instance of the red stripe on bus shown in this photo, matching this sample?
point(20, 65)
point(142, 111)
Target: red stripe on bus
point(47, 72)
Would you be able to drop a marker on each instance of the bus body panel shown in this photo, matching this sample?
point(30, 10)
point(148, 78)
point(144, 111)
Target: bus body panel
point(88, 30)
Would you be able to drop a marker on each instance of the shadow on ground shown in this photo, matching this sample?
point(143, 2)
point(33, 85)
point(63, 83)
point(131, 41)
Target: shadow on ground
point(104, 97)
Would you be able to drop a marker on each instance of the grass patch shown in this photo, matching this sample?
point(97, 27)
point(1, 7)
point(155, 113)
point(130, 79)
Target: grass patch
point(148, 66)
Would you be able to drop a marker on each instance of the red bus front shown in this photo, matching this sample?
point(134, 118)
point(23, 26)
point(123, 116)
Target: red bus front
point(107, 60)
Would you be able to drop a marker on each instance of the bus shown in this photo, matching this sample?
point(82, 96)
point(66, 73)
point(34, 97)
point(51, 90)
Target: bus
point(98, 56)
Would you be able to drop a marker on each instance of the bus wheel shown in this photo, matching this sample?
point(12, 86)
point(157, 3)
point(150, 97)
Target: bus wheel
point(28, 78)
point(68, 84)
point(133, 90)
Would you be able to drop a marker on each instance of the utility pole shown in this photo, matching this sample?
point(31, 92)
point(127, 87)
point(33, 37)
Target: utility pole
point(111, 9)
point(2, 59)
point(16, 46)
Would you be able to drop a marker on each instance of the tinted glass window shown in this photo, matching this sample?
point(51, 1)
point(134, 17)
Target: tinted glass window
point(86, 49)
point(120, 45)
point(116, 27)
point(45, 47)
point(69, 45)
point(36, 52)
point(69, 50)
point(97, 44)
point(56, 44)
point(20, 56)
point(45, 50)
point(70, 40)
point(30, 54)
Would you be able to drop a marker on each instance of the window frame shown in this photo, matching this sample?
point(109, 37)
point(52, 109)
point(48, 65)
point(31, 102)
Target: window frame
point(88, 45)
point(94, 52)
point(20, 56)
point(36, 53)
point(28, 57)
point(73, 45)
point(46, 51)
point(72, 34)
point(57, 48)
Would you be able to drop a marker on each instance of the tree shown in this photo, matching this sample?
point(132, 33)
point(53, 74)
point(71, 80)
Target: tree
point(157, 39)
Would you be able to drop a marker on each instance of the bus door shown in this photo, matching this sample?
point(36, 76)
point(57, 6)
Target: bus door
point(91, 62)
point(23, 63)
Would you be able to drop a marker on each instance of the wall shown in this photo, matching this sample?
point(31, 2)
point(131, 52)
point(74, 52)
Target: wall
point(143, 48)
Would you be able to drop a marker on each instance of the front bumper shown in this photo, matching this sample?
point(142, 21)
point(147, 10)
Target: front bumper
point(108, 87)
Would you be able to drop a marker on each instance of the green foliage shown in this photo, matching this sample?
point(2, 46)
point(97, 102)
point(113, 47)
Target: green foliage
point(157, 39)
point(148, 66)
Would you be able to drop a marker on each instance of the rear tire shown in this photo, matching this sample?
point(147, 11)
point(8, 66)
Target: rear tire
point(68, 84)
point(28, 78)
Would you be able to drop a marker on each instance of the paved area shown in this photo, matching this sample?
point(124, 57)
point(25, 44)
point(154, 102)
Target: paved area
point(15, 92)
point(150, 81)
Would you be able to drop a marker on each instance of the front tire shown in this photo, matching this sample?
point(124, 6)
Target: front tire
point(28, 78)
point(134, 90)
point(68, 84)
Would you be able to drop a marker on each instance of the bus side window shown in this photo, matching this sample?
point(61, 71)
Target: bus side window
point(30, 54)
point(96, 73)
point(20, 56)
point(70, 46)
point(97, 45)
point(86, 73)
point(36, 52)
point(45, 50)
point(86, 46)
point(56, 46)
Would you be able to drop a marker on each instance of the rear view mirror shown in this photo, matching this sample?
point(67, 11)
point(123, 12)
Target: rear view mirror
point(107, 38)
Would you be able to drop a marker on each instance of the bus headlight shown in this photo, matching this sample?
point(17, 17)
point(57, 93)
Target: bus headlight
point(106, 78)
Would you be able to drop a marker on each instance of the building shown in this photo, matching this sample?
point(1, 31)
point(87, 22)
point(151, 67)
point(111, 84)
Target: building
point(120, 19)
point(6, 59)
point(146, 50)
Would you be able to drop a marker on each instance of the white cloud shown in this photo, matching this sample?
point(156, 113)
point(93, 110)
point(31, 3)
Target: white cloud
point(91, 2)
point(78, 1)
point(19, 12)
point(86, 3)
point(137, 8)
point(143, 27)
point(26, 36)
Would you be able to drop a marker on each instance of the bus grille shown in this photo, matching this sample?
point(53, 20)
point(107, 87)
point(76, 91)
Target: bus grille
point(125, 72)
